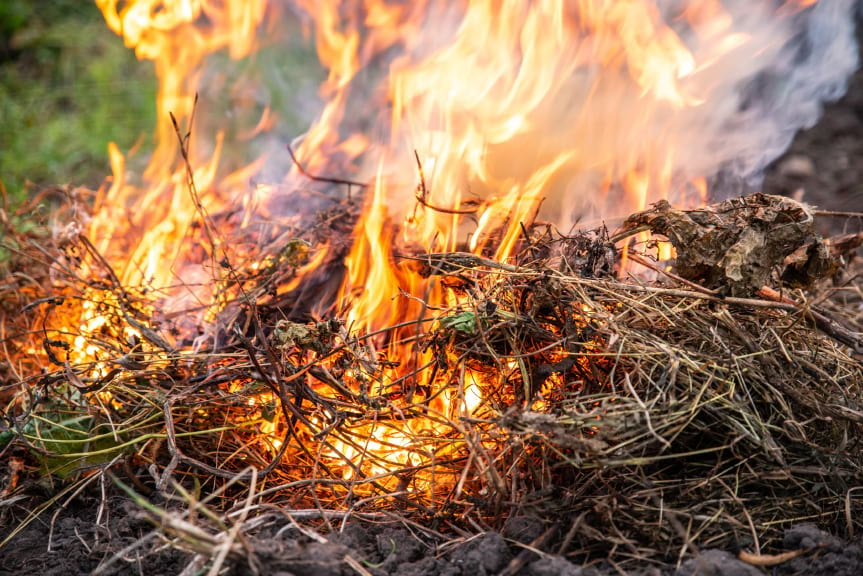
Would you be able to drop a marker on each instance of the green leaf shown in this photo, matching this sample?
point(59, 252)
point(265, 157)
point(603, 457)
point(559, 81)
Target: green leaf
point(268, 411)
point(464, 322)
point(70, 445)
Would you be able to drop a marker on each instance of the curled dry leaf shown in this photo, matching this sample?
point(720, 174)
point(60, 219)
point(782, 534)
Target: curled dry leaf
point(742, 244)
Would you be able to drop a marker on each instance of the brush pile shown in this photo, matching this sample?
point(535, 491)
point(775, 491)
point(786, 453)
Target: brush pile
point(708, 405)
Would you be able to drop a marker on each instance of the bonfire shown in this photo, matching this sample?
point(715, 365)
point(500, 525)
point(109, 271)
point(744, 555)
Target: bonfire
point(495, 282)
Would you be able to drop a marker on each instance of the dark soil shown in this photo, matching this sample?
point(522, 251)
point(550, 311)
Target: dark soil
point(87, 534)
point(76, 539)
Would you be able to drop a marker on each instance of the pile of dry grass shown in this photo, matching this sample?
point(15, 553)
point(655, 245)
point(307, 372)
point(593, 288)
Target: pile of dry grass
point(652, 416)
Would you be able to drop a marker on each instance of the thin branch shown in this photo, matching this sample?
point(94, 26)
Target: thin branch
point(327, 179)
point(423, 192)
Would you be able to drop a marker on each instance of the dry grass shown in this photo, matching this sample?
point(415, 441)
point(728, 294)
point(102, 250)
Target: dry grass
point(638, 419)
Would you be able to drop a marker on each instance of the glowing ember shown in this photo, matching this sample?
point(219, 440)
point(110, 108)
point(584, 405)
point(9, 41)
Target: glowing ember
point(516, 111)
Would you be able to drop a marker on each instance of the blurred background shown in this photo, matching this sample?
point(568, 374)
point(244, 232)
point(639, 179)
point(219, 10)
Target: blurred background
point(68, 86)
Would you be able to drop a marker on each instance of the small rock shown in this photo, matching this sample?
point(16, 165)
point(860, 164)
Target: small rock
point(808, 536)
point(523, 529)
point(717, 563)
point(797, 166)
point(484, 555)
point(552, 566)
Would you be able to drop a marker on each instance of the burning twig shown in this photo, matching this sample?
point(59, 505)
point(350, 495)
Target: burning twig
point(450, 262)
point(423, 193)
point(342, 181)
point(537, 377)
point(184, 140)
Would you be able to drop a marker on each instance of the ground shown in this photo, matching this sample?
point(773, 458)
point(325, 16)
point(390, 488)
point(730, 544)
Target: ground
point(86, 534)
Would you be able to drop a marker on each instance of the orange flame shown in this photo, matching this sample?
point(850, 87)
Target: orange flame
point(511, 104)
point(516, 110)
point(144, 231)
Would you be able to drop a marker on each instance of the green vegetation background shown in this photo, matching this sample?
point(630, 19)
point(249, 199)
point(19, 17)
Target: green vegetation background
point(68, 86)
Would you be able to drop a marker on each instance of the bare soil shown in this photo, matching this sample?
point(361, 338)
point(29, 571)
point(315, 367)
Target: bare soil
point(90, 531)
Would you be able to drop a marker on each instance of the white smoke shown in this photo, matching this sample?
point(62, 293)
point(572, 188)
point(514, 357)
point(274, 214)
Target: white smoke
point(786, 94)
point(755, 98)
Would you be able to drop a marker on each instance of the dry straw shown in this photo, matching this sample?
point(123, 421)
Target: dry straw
point(636, 418)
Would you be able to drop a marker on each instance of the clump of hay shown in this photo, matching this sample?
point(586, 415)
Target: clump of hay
point(636, 418)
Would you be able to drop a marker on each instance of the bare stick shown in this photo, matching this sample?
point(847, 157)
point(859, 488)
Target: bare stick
point(329, 180)
point(769, 559)
point(423, 192)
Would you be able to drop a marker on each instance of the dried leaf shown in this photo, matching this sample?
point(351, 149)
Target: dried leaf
point(741, 244)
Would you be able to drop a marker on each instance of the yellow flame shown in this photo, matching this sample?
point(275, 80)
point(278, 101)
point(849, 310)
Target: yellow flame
point(516, 110)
